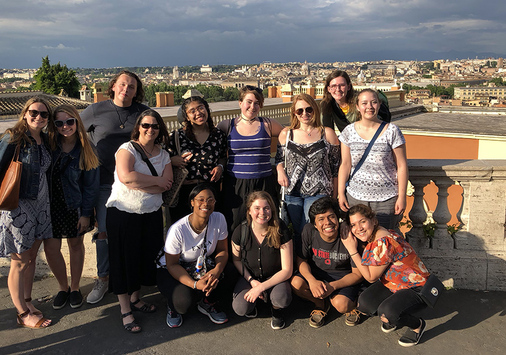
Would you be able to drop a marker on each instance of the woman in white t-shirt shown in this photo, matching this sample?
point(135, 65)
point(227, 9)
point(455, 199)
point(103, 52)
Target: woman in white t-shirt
point(381, 181)
point(193, 260)
point(134, 215)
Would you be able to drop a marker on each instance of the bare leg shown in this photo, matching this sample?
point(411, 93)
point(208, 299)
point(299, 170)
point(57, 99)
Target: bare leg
point(52, 248)
point(301, 288)
point(76, 250)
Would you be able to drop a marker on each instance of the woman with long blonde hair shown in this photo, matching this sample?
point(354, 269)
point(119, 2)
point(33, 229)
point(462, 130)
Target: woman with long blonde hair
point(74, 184)
point(262, 251)
point(23, 229)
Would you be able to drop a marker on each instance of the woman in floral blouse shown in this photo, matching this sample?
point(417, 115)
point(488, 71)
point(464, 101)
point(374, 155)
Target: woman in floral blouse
point(396, 271)
point(203, 150)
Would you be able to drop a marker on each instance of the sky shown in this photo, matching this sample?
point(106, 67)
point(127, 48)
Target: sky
point(113, 33)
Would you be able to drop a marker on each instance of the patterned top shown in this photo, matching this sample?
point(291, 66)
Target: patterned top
point(311, 167)
point(249, 157)
point(205, 157)
point(406, 270)
point(376, 180)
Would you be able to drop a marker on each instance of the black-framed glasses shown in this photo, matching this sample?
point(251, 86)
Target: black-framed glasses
point(193, 111)
point(152, 125)
point(300, 111)
point(69, 122)
point(35, 113)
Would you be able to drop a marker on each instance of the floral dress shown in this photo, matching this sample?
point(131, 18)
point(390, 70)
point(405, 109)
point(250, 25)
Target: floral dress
point(31, 221)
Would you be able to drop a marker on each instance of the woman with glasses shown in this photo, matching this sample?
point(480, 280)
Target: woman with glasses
point(307, 160)
point(74, 183)
point(203, 151)
point(249, 154)
point(134, 215)
point(338, 103)
point(23, 229)
point(193, 260)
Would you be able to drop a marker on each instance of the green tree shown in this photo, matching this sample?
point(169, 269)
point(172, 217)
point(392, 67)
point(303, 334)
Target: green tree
point(498, 81)
point(51, 79)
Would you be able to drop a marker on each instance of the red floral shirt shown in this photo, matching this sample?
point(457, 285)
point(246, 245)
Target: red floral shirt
point(406, 270)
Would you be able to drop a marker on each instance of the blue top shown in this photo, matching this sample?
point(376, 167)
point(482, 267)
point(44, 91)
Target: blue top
point(80, 187)
point(249, 157)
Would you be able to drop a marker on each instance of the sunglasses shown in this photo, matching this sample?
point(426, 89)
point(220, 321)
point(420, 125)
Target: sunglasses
point(69, 122)
point(253, 88)
point(300, 111)
point(152, 125)
point(35, 113)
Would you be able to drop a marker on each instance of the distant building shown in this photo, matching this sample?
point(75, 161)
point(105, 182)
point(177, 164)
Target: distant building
point(473, 93)
point(175, 73)
point(206, 69)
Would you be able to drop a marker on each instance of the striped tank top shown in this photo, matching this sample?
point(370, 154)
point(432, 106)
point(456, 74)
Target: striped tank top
point(249, 157)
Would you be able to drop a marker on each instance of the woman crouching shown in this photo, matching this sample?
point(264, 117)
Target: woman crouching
point(396, 271)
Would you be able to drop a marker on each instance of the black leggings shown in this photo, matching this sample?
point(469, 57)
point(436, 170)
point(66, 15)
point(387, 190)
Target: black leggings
point(396, 307)
point(181, 297)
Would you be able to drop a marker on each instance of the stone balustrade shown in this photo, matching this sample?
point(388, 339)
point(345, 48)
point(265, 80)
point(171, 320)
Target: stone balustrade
point(475, 256)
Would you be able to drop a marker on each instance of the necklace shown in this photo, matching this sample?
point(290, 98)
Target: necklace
point(195, 229)
point(308, 133)
point(121, 123)
point(145, 150)
point(249, 121)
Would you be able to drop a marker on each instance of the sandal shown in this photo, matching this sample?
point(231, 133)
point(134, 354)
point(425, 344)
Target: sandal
point(146, 308)
point(36, 313)
point(39, 325)
point(129, 327)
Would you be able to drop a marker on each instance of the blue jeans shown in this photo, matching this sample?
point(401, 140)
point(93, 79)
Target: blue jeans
point(101, 244)
point(298, 210)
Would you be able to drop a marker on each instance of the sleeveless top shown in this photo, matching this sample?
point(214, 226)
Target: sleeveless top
point(249, 157)
point(311, 167)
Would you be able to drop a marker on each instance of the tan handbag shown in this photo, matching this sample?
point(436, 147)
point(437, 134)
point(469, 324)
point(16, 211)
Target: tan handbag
point(9, 189)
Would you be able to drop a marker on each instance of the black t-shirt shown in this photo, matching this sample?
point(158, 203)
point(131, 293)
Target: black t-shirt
point(328, 261)
point(262, 261)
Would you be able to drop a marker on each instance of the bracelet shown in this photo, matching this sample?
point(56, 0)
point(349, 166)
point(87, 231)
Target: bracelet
point(195, 285)
point(353, 254)
point(250, 278)
point(221, 166)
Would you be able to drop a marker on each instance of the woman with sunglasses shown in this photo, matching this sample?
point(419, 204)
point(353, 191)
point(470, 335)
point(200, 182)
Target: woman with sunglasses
point(74, 185)
point(134, 215)
point(203, 151)
point(307, 160)
point(23, 229)
point(249, 154)
point(338, 103)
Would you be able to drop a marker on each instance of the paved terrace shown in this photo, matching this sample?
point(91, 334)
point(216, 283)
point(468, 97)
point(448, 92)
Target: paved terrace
point(463, 322)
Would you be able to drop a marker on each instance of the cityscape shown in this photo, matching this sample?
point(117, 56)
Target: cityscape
point(466, 82)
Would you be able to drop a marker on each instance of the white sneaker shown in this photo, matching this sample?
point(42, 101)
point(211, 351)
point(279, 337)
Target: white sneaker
point(98, 292)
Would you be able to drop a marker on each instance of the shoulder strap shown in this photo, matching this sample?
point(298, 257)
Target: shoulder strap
point(176, 140)
point(144, 158)
point(368, 149)
point(244, 231)
point(269, 123)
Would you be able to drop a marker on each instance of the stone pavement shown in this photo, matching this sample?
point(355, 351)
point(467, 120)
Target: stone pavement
point(463, 322)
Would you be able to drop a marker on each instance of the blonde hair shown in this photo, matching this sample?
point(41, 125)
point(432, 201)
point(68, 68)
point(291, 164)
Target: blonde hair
point(88, 159)
point(273, 235)
point(18, 132)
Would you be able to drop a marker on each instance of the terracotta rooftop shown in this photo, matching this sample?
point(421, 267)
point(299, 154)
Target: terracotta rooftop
point(11, 103)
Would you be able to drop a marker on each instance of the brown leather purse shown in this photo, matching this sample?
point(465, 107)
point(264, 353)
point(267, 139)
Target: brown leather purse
point(9, 189)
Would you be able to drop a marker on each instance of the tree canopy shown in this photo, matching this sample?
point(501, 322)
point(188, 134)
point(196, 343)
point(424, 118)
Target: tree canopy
point(51, 79)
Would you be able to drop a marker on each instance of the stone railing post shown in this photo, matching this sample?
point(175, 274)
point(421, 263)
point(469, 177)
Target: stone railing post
point(417, 215)
point(441, 215)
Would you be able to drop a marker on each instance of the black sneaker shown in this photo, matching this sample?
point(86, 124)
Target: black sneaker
point(387, 327)
point(411, 338)
point(277, 321)
point(76, 299)
point(61, 299)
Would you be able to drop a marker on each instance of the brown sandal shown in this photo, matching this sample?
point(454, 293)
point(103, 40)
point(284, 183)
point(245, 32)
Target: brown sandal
point(39, 325)
point(36, 313)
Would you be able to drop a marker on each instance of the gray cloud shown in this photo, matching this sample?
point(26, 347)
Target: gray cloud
point(93, 33)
